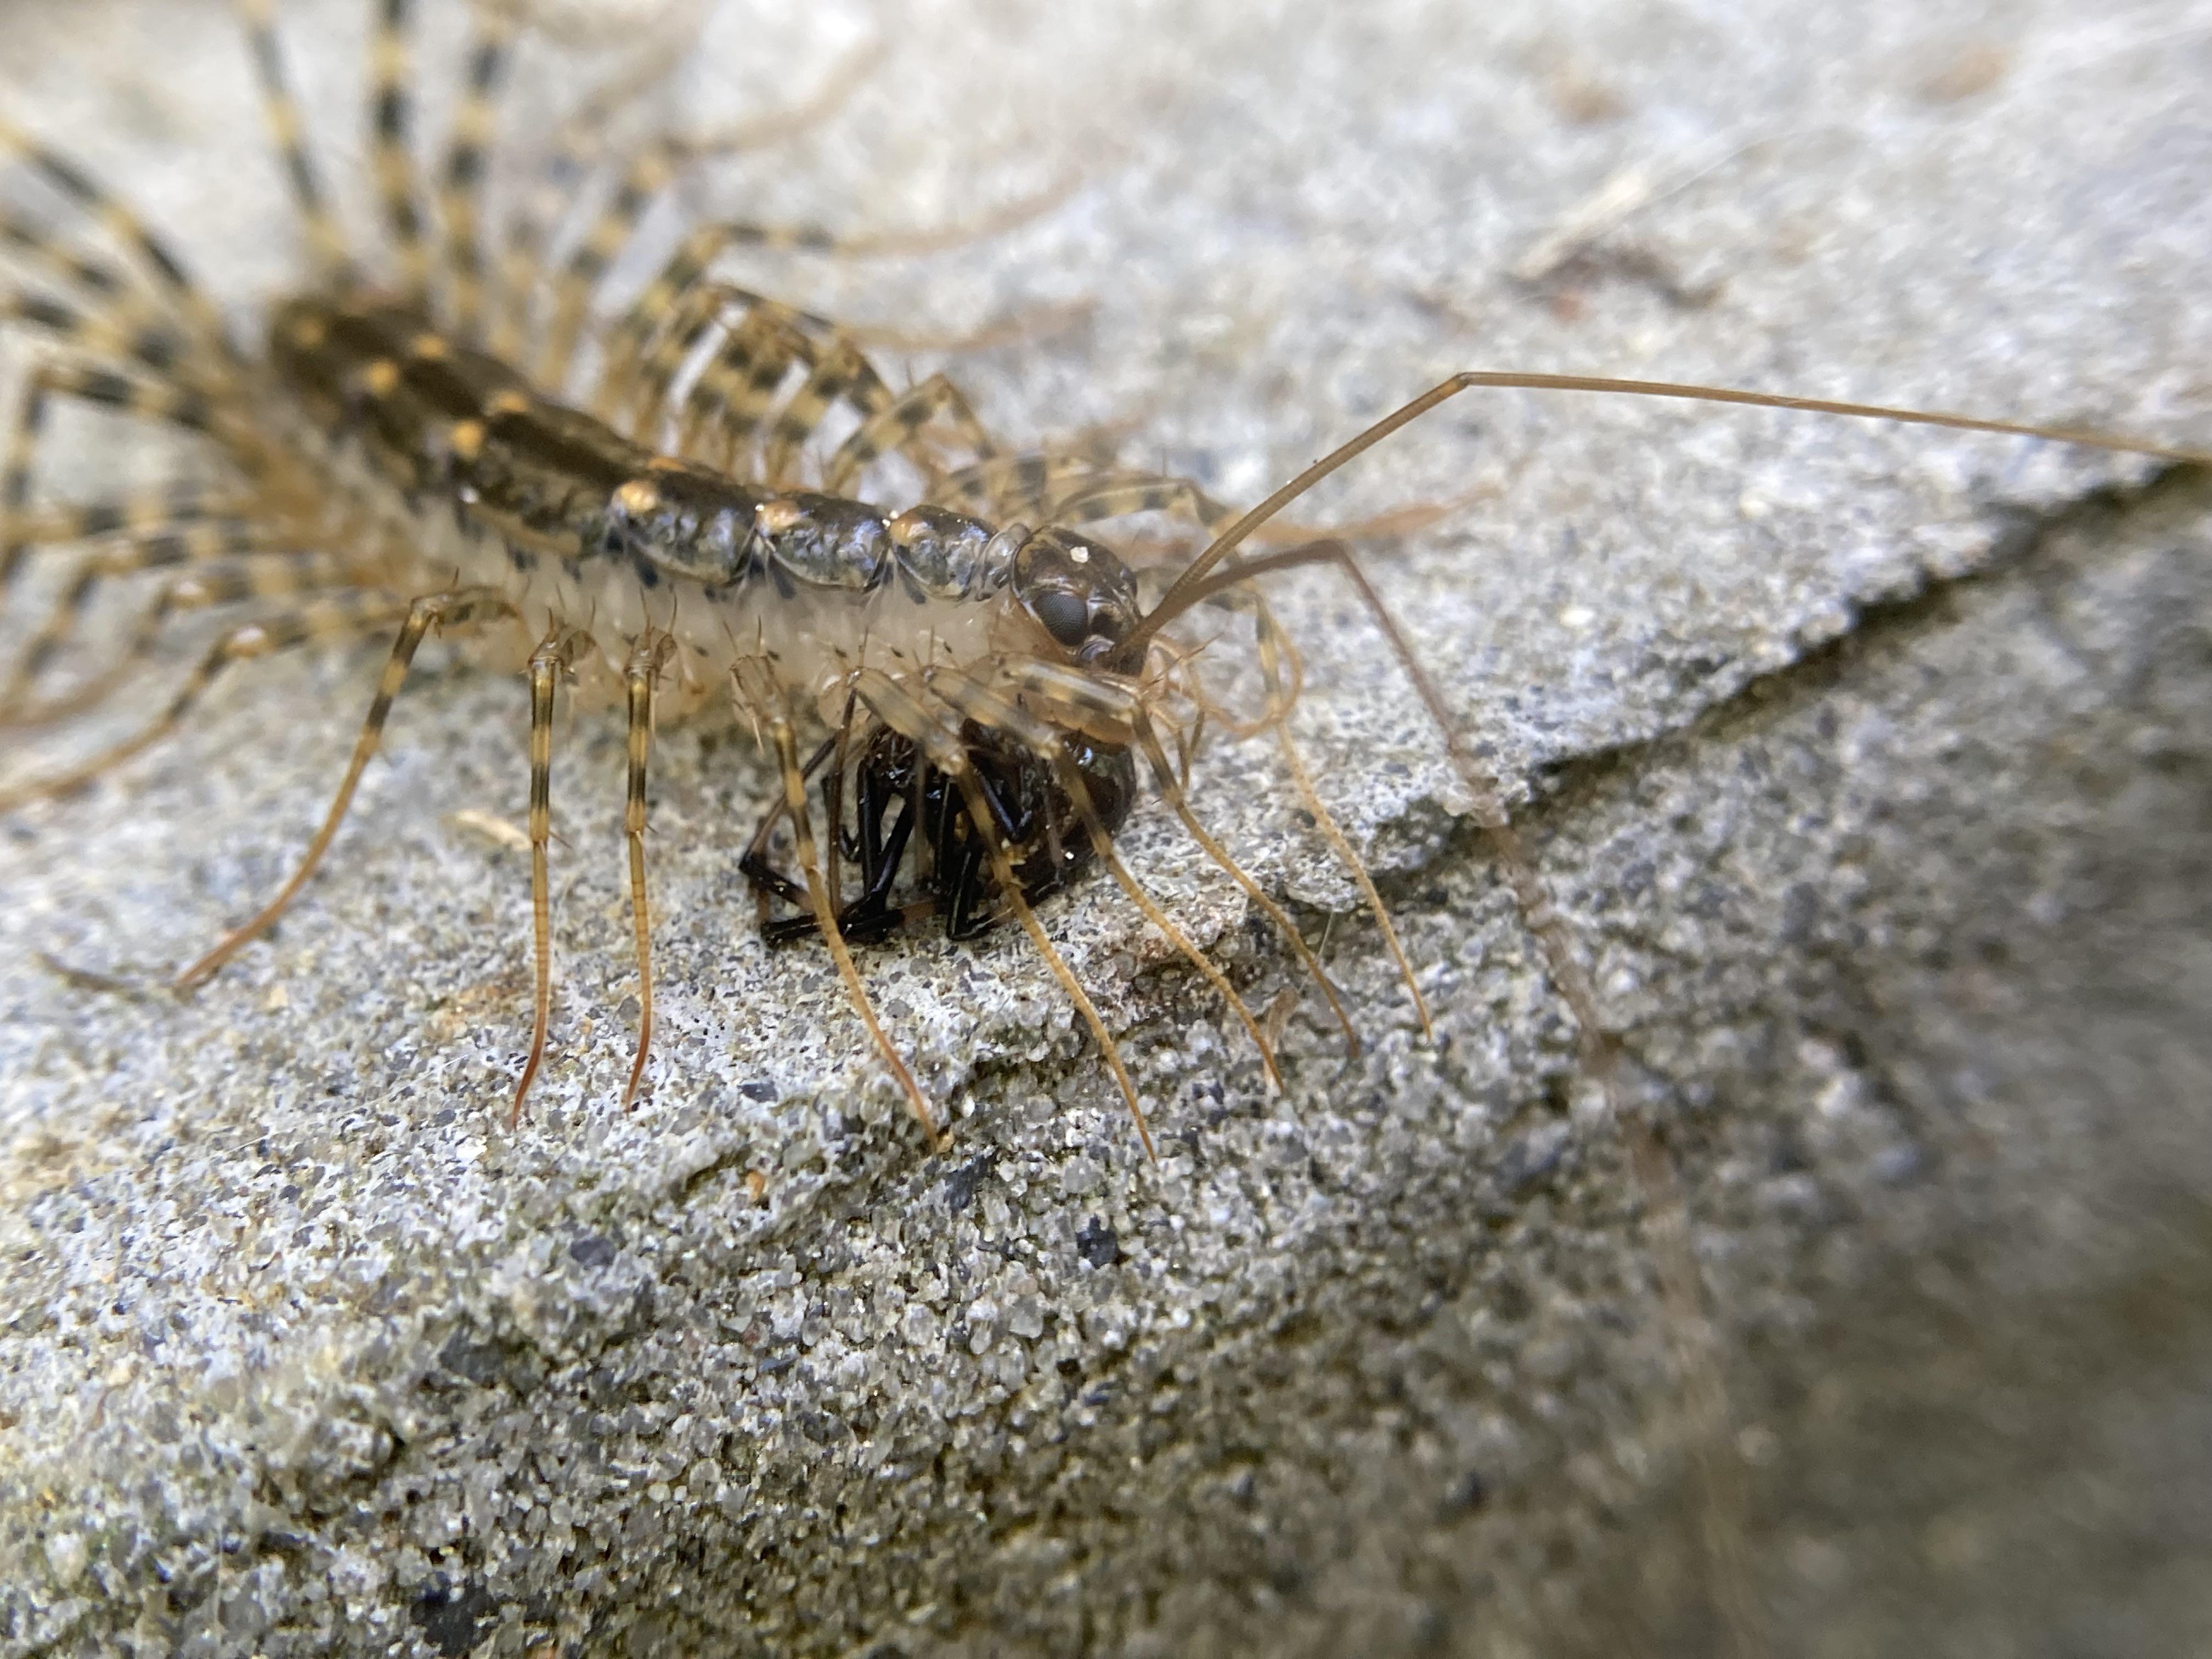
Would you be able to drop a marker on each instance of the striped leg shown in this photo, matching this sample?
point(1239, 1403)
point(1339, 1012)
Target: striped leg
point(157, 348)
point(461, 192)
point(145, 513)
point(158, 547)
point(672, 314)
point(1280, 672)
point(415, 620)
point(970, 700)
point(767, 331)
point(898, 426)
point(736, 388)
point(843, 375)
point(786, 745)
point(646, 659)
point(577, 149)
point(326, 242)
point(1016, 489)
point(102, 386)
point(391, 158)
point(1088, 703)
point(324, 619)
point(106, 287)
point(168, 272)
point(548, 663)
point(941, 746)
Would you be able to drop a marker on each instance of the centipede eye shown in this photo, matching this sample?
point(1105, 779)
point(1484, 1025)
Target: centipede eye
point(1065, 615)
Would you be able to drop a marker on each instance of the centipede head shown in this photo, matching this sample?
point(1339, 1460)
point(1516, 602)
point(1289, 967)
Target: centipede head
point(1083, 596)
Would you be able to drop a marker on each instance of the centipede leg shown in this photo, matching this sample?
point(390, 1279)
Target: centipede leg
point(897, 710)
point(1273, 649)
point(281, 110)
point(461, 191)
point(333, 618)
point(647, 659)
point(234, 561)
point(143, 514)
point(974, 701)
point(392, 159)
point(900, 423)
point(167, 271)
point(548, 663)
point(817, 893)
point(130, 310)
point(416, 621)
point(577, 148)
point(1088, 702)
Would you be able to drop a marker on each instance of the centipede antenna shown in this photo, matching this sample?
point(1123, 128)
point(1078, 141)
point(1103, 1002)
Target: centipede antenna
point(825, 917)
point(327, 243)
point(1179, 598)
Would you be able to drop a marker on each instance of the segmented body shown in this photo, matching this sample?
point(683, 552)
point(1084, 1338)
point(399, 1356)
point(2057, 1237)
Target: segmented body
point(486, 483)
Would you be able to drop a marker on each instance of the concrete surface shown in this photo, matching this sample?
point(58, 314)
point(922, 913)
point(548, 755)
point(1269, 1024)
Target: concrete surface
point(1872, 766)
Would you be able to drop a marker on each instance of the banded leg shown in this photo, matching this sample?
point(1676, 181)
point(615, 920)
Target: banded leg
point(844, 375)
point(671, 315)
point(391, 158)
point(144, 514)
point(646, 659)
point(106, 210)
point(228, 582)
point(128, 309)
point(1120, 495)
point(417, 620)
point(1274, 647)
point(785, 744)
point(687, 268)
point(1015, 488)
point(162, 547)
point(548, 663)
point(462, 189)
point(325, 619)
point(898, 427)
point(326, 241)
point(971, 701)
point(736, 390)
point(941, 746)
point(579, 142)
point(1085, 703)
point(156, 349)
point(102, 386)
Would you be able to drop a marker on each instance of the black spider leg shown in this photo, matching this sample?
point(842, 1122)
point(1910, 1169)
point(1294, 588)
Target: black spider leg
point(871, 916)
point(971, 907)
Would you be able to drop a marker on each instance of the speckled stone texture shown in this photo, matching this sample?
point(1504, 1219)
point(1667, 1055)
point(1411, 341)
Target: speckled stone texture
point(1872, 768)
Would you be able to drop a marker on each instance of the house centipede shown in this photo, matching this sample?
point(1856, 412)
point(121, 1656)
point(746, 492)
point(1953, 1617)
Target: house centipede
point(997, 758)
